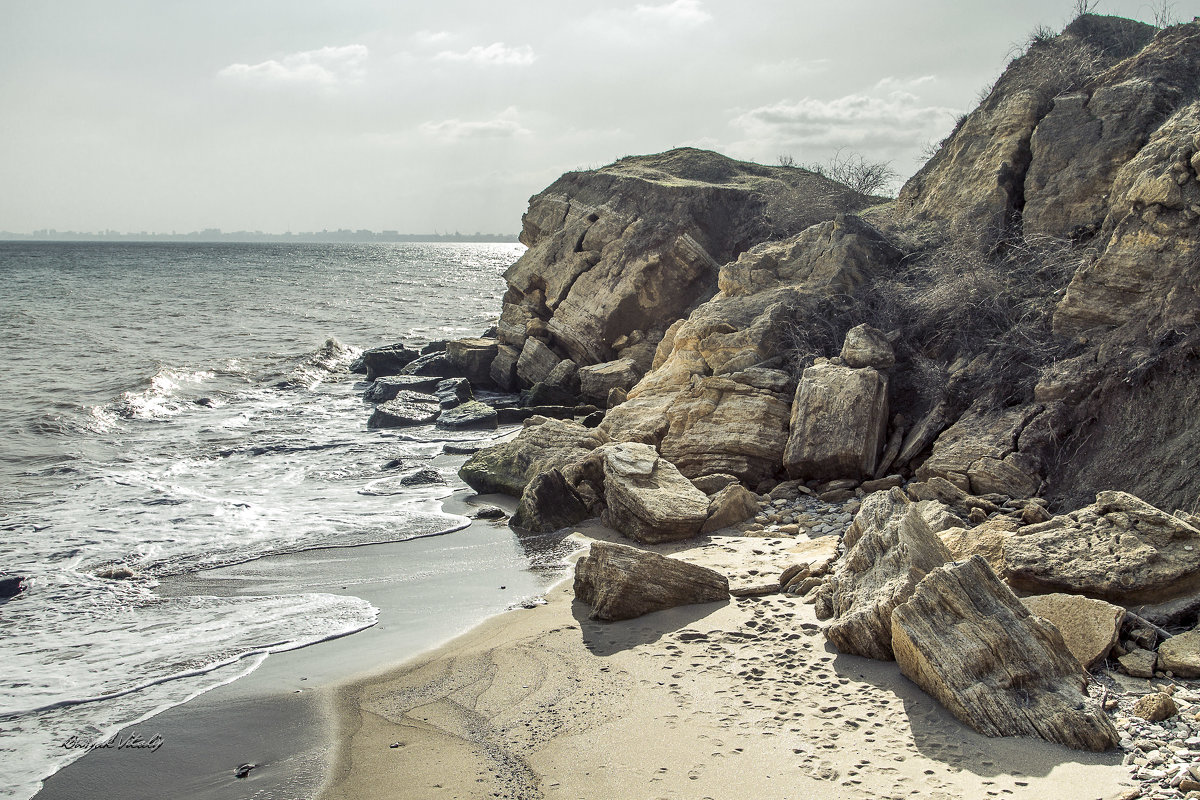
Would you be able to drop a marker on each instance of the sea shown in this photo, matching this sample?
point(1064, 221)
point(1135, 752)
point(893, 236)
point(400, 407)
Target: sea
point(169, 408)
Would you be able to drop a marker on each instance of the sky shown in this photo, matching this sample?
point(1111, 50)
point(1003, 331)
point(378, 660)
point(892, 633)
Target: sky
point(424, 117)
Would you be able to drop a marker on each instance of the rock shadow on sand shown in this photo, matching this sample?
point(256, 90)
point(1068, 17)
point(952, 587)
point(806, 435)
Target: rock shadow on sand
point(607, 638)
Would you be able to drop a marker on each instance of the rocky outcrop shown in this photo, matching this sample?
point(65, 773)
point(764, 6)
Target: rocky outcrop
point(1119, 549)
point(965, 638)
point(646, 498)
point(980, 453)
point(550, 503)
point(889, 549)
point(542, 445)
point(472, 358)
point(1089, 627)
point(838, 423)
point(536, 362)
point(621, 582)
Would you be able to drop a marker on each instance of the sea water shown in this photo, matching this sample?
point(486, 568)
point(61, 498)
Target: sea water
point(174, 407)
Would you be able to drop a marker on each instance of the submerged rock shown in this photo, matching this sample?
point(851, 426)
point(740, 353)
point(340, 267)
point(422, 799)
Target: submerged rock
point(11, 586)
point(622, 582)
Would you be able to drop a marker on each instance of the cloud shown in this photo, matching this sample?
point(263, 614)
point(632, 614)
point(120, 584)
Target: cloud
point(327, 67)
point(679, 14)
point(505, 125)
point(429, 38)
point(495, 53)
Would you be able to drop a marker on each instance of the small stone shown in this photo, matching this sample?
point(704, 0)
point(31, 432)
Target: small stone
point(1155, 708)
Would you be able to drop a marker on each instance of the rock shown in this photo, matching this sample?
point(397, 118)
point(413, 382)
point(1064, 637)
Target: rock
point(838, 422)
point(490, 512)
point(1180, 655)
point(622, 582)
point(471, 415)
point(596, 381)
point(866, 346)
point(11, 586)
point(1119, 549)
point(537, 361)
point(923, 433)
point(1089, 627)
point(550, 503)
point(433, 365)
point(427, 476)
point(836, 496)
point(461, 448)
point(711, 484)
point(634, 245)
point(544, 444)
point(436, 346)
point(981, 540)
point(978, 453)
point(503, 370)
point(965, 638)
point(406, 410)
point(508, 416)
point(889, 549)
point(1155, 707)
point(1138, 663)
point(472, 358)
point(880, 484)
point(646, 497)
point(387, 360)
point(115, 573)
point(731, 505)
point(938, 516)
point(816, 555)
point(944, 492)
point(390, 387)
point(453, 392)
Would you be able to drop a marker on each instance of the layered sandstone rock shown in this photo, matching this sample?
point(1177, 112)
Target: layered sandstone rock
point(622, 582)
point(838, 423)
point(646, 498)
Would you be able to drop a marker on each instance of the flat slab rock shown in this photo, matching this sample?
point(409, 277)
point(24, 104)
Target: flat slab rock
point(622, 582)
point(1119, 549)
point(1180, 655)
point(966, 639)
point(1089, 627)
point(405, 410)
point(542, 445)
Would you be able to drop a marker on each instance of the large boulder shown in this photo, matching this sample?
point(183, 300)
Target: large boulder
point(406, 410)
point(1119, 549)
point(867, 346)
point(634, 245)
point(889, 549)
point(646, 497)
point(550, 503)
point(1180, 655)
point(503, 370)
point(389, 387)
point(622, 582)
point(966, 639)
point(838, 423)
point(536, 362)
point(471, 415)
point(597, 380)
point(729, 506)
point(387, 360)
point(542, 445)
point(1089, 627)
point(980, 453)
point(473, 358)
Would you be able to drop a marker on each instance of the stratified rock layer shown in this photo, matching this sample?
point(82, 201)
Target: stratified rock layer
point(622, 582)
point(646, 497)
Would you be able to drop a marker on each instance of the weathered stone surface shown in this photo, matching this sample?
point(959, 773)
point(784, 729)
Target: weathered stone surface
point(945, 492)
point(1089, 627)
point(1138, 663)
point(471, 415)
point(387, 360)
point(405, 410)
point(838, 423)
point(622, 582)
point(472, 358)
point(1119, 549)
point(890, 548)
point(452, 392)
point(550, 503)
point(979, 453)
point(536, 362)
point(1155, 707)
point(389, 387)
point(965, 638)
point(507, 416)
point(866, 346)
point(434, 364)
point(1180, 655)
point(711, 484)
point(982, 540)
point(597, 380)
point(503, 370)
point(543, 444)
point(646, 497)
point(733, 504)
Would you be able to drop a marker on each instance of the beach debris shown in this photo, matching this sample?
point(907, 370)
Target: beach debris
point(623, 582)
point(243, 770)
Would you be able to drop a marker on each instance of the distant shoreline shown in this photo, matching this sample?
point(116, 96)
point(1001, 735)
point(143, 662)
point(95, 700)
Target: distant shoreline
point(252, 237)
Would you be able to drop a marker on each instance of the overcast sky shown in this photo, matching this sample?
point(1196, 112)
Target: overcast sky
point(442, 116)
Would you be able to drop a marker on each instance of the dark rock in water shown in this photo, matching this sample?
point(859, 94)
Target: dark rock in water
point(388, 387)
point(116, 573)
point(622, 582)
point(490, 512)
point(408, 409)
point(470, 415)
point(593, 419)
point(11, 586)
point(243, 770)
point(434, 364)
point(386, 360)
point(207, 402)
point(462, 448)
point(423, 477)
point(438, 346)
point(545, 394)
point(395, 463)
point(453, 392)
point(550, 503)
point(507, 416)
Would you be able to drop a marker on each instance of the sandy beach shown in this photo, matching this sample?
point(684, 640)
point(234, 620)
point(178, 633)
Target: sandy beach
point(736, 699)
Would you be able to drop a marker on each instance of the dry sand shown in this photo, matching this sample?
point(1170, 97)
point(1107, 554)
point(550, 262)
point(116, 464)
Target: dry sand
point(743, 699)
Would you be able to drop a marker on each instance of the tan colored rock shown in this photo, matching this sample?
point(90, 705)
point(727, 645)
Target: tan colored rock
point(838, 423)
point(965, 638)
point(733, 504)
point(542, 445)
point(596, 381)
point(537, 361)
point(978, 453)
point(982, 540)
point(473, 358)
point(1138, 663)
point(503, 370)
point(866, 346)
point(1119, 549)
point(1180, 655)
point(1089, 627)
point(1155, 707)
point(646, 497)
point(817, 555)
point(938, 516)
point(622, 582)
point(943, 491)
point(711, 484)
point(890, 548)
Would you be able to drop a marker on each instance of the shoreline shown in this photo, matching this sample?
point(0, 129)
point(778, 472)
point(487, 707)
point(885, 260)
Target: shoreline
point(716, 700)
